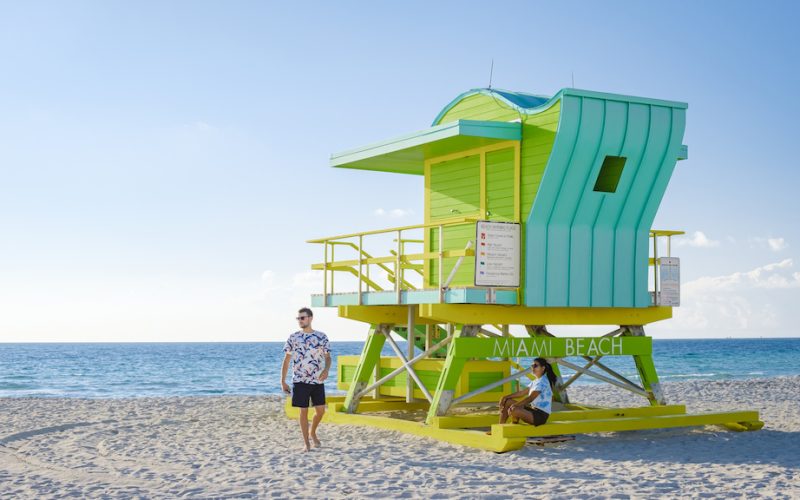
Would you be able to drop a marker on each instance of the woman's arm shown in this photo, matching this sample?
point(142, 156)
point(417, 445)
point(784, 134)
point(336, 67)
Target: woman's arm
point(527, 400)
point(513, 395)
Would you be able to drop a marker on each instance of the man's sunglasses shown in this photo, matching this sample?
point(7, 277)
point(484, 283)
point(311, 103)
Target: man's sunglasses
point(300, 318)
point(536, 366)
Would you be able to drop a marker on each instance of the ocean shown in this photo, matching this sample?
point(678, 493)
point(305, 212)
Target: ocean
point(122, 370)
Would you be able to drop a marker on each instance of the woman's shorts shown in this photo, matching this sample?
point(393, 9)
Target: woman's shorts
point(539, 416)
point(302, 392)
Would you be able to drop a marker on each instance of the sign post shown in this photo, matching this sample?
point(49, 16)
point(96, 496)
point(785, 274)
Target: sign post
point(497, 251)
point(670, 286)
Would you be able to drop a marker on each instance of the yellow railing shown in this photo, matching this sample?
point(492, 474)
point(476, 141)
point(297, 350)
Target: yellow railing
point(655, 234)
point(401, 259)
point(394, 264)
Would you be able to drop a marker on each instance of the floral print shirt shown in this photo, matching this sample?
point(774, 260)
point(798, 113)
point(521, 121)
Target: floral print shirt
point(308, 352)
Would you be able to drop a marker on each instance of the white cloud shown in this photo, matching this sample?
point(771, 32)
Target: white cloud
point(698, 239)
point(754, 301)
point(771, 276)
point(776, 244)
point(394, 213)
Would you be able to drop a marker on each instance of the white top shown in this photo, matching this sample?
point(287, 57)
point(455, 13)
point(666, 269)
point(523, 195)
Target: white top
point(544, 400)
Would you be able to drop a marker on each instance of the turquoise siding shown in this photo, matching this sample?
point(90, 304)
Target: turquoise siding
point(586, 248)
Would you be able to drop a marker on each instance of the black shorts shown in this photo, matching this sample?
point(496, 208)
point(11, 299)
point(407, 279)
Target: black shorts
point(302, 392)
point(539, 416)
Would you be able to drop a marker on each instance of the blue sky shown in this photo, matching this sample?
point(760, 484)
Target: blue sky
point(163, 162)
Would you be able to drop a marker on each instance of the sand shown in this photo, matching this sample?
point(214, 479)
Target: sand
point(244, 447)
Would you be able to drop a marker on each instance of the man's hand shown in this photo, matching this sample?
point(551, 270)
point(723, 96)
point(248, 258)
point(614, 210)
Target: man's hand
point(285, 388)
point(323, 376)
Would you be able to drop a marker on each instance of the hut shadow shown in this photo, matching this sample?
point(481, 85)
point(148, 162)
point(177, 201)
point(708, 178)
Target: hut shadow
point(680, 446)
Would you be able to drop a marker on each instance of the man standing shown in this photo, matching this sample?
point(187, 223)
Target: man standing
point(311, 359)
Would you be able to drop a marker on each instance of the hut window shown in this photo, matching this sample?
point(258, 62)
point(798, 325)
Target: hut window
point(609, 175)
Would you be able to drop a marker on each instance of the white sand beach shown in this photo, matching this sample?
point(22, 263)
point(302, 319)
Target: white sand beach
point(242, 447)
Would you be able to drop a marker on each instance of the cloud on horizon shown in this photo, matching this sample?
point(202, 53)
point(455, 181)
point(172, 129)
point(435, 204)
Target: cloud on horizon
point(698, 239)
point(395, 213)
point(757, 300)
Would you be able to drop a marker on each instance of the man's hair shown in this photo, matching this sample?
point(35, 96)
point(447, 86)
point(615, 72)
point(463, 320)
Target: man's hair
point(307, 311)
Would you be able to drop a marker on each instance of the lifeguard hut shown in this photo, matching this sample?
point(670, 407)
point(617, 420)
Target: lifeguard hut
point(537, 213)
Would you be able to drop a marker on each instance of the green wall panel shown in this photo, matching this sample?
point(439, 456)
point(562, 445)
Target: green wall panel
point(538, 134)
point(500, 185)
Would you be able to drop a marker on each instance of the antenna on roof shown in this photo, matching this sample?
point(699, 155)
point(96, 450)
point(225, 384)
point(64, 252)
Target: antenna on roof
point(491, 72)
point(573, 79)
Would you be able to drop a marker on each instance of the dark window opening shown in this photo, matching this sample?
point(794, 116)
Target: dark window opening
point(609, 175)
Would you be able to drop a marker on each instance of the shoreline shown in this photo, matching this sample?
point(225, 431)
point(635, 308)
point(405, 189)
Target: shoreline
point(576, 386)
point(245, 447)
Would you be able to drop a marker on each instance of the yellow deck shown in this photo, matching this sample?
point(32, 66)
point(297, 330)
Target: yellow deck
point(460, 429)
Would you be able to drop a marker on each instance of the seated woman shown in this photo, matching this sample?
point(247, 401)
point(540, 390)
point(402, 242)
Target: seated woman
point(539, 395)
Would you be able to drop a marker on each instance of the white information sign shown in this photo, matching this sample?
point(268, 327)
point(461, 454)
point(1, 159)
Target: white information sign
point(497, 254)
point(669, 271)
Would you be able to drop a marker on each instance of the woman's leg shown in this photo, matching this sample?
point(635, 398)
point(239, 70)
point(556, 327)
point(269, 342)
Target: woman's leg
point(522, 414)
point(504, 411)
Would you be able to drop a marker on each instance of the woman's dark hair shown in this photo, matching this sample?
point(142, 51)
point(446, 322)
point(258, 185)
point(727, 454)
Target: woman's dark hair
point(548, 371)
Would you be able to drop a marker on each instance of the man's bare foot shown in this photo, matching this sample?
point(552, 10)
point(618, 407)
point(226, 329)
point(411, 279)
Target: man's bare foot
point(317, 442)
point(307, 448)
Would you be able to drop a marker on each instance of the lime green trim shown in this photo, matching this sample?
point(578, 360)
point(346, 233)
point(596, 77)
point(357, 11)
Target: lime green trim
point(551, 347)
point(406, 154)
point(370, 355)
point(448, 380)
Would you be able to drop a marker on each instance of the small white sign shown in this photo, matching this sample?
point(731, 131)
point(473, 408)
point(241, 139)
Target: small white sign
point(497, 254)
point(669, 271)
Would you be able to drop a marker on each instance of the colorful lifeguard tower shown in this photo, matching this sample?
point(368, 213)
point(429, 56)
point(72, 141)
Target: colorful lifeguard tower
point(538, 212)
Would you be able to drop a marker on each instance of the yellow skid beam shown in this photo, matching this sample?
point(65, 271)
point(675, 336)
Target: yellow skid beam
point(490, 419)
point(622, 424)
point(382, 405)
point(509, 437)
point(473, 439)
point(485, 314)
